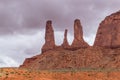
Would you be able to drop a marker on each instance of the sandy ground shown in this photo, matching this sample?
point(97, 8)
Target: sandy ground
point(25, 74)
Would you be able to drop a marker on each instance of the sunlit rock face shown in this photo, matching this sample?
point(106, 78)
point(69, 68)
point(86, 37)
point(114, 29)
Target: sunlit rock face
point(49, 37)
point(80, 54)
point(108, 34)
point(78, 41)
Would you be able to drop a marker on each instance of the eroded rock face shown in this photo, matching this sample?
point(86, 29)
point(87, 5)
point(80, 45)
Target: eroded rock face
point(108, 34)
point(65, 41)
point(78, 41)
point(92, 57)
point(49, 37)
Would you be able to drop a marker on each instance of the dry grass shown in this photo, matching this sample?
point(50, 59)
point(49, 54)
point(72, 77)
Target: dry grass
point(63, 74)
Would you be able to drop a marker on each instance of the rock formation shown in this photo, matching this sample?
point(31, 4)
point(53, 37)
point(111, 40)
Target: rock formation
point(78, 41)
point(49, 37)
point(92, 57)
point(108, 34)
point(65, 44)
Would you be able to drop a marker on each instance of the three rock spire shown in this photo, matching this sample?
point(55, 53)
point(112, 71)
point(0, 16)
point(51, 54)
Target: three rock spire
point(77, 43)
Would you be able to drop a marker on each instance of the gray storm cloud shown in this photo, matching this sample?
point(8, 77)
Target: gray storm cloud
point(22, 16)
point(22, 24)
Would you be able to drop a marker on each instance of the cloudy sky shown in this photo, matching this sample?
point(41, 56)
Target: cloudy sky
point(22, 24)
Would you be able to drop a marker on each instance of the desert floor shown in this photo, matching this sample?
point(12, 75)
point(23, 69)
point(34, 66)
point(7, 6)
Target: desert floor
point(61, 74)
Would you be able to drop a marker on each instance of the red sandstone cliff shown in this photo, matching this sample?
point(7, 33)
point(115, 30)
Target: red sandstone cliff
point(80, 54)
point(108, 34)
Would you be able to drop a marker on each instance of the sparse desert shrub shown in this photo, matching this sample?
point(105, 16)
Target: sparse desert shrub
point(11, 72)
point(7, 74)
point(18, 73)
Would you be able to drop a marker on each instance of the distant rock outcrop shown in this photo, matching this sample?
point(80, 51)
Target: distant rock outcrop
point(78, 41)
point(49, 37)
point(65, 44)
point(78, 56)
point(108, 34)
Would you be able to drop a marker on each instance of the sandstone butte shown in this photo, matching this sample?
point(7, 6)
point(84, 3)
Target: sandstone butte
point(108, 34)
point(103, 55)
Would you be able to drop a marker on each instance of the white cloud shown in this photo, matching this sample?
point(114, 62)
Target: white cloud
point(59, 36)
point(90, 39)
point(6, 61)
point(18, 47)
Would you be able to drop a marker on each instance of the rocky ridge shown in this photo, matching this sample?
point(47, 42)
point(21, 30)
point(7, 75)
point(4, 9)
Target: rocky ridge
point(108, 34)
point(105, 53)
